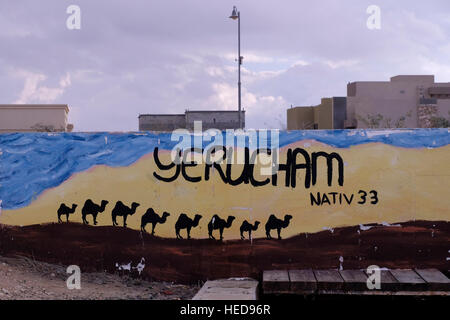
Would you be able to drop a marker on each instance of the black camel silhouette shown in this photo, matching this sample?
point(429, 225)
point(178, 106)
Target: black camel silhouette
point(122, 210)
point(184, 222)
point(218, 223)
point(65, 210)
point(248, 227)
point(275, 223)
point(150, 216)
point(92, 208)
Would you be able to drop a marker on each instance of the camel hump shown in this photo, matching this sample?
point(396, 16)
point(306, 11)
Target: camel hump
point(117, 207)
point(182, 216)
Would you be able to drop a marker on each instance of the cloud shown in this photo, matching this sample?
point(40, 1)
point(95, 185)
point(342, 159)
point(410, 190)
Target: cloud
point(34, 92)
point(160, 57)
point(260, 110)
point(341, 63)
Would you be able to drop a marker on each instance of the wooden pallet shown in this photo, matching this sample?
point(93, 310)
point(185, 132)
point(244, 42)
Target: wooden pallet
point(393, 282)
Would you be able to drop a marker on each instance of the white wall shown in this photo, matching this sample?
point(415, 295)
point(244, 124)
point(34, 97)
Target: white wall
point(25, 117)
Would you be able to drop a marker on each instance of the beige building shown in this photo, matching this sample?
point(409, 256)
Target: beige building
point(406, 101)
point(329, 114)
point(409, 101)
point(34, 117)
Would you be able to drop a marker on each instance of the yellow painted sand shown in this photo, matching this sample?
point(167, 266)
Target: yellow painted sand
point(411, 184)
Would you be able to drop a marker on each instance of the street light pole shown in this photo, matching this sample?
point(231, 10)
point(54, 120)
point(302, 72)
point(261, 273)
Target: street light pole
point(237, 15)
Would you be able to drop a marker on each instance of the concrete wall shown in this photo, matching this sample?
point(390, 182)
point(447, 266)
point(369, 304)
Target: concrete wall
point(300, 118)
point(24, 118)
point(339, 112)
point(329, 114)
point(443, 108)
point(409, 174)
point(215, 119)
point(210, 119)
point(324, 114)
point(393, 99)
point(161, 122)
point(382, 189)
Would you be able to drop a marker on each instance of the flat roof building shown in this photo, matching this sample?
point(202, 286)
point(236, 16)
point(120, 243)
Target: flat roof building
point(329, 114)
point(34, 117)
point(211, 119)
point(410, 101)
point(406, 101)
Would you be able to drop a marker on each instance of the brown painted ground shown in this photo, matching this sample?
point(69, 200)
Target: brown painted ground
point(418, 244)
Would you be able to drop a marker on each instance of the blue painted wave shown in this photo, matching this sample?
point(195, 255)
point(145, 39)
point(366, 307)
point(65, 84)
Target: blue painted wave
point(30, 163)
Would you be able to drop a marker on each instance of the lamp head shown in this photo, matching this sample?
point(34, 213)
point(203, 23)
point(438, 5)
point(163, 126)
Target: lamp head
point(234, 14)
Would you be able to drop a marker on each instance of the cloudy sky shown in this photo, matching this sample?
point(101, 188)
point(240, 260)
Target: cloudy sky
point(142, 56)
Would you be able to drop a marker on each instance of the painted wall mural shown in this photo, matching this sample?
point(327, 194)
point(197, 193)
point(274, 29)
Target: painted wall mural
point(325, 180)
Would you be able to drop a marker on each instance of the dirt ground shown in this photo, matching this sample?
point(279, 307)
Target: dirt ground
point(24, 278)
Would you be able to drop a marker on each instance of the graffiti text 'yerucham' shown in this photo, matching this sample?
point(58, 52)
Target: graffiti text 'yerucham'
point(296, 159)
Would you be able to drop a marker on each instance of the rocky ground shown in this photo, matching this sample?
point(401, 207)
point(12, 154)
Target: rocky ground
point(24, 278)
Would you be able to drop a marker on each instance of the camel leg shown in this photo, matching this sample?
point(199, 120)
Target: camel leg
point(95, 219)
point(59, 218)
point(210, 230)
point(268, 234)
point(67, 217)
point(250, 235)
point(125, 221)
point(242, 235)
point(177, 232)
point(279, 231)
point(143, 228)
point(84, 220)
point(221, 234)
point(153, 228)
point(188, 232)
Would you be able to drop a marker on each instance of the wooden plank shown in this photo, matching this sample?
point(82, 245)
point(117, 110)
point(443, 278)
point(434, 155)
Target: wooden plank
point(302, 281)
point(388, 282)
point(409, 280)
point(276, 281)
point(354, 280)
point(435, 279)
point(329, 280)
point(228, 289)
